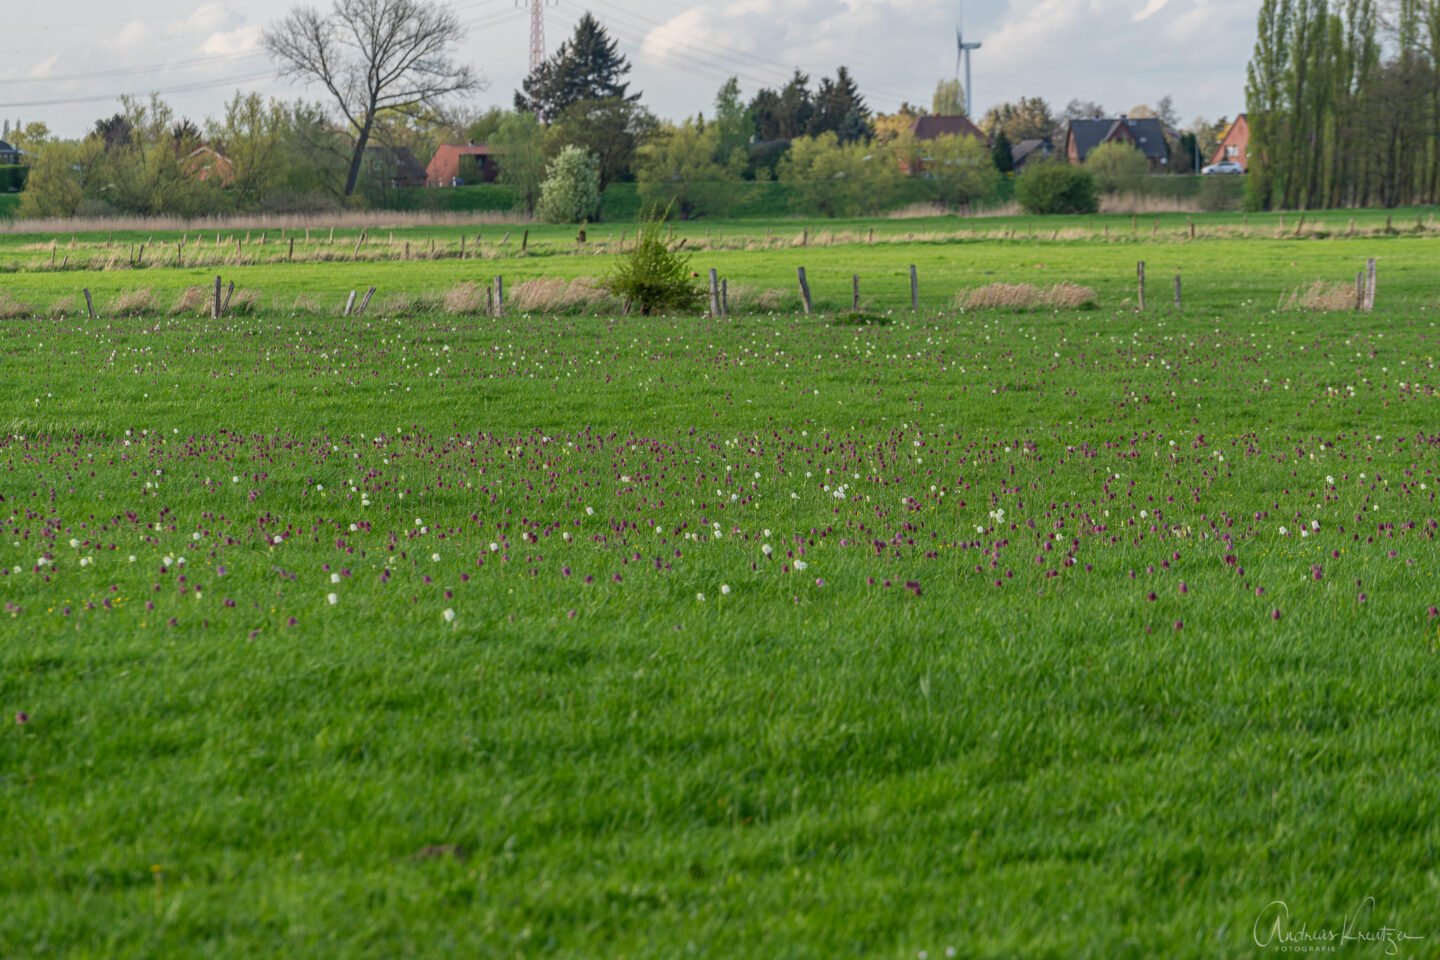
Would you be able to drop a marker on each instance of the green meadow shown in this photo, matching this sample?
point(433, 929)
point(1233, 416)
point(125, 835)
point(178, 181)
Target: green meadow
point(561, 632)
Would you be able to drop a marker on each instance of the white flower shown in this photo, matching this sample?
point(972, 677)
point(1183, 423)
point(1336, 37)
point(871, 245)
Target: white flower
point(334, 578)
point(132, 558)
point(765, 549)
point(449, 615)
point(700, 597)
point(624, 479)
point(801, 564)
point(1143, 514)
point(180, 561)
point(168, 560)
point(1314, 524)
point(234, 479)
point(332, 598)
point(353, 528)
point(195, 535)
point(1329, 479)
point(589, 511)
point(279, 539)
point(979, 529)
point(494, 546)
point(657, 530)
point(84, 561)
point(74, 543)
point(767, 533)
point(725, 588)
point(434, 558)
point(1283, 531)
point(418, 521)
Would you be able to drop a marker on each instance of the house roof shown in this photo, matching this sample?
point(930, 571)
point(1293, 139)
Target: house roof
point(1024, 148)
point(406, 164)
point(1148, 133)
point(928, 128)
point(6, 148)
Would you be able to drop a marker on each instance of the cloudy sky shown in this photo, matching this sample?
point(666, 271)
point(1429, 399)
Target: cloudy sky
point(66, 65)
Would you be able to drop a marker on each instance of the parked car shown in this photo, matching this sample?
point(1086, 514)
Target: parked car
point(1224, 166)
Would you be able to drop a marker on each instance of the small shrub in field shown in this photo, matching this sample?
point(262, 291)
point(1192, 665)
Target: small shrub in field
point(1322, 296)
point(571, 191)
point(1025, 296)
point(1056, 188)
point(133, 303)
point(651, 277)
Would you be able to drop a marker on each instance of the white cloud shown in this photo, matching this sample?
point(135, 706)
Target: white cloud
point(1151, 8)
point(231, 42)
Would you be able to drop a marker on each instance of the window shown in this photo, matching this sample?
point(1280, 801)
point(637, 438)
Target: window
point(1231, 150)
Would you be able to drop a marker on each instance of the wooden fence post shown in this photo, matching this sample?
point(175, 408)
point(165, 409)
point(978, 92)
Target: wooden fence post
point(89, 304)
point(1359, 290)
point(350, 302)
point(855, 292)
point(462, 246)
point(292, 249)
point(499, 296)
point(804, 288)
point(714, 293)
point(1370, 283)
point(914, 289)
point(724, 298)
point(1177, 291)
point(229, 292)
point(215, 307)
point(366, 302)
point(1140, 279)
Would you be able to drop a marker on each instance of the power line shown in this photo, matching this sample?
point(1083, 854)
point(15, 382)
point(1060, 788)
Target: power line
point(127, 71)
point(183, 88)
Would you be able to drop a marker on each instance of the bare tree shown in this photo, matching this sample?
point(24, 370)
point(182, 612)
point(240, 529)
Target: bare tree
point(373, 55)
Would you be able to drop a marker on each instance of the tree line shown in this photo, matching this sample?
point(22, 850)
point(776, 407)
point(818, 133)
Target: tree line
point(1343, 103)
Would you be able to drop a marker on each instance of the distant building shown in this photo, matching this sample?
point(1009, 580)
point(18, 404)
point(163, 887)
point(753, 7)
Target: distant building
point(928, 128)
point(931, 127)
point(1029, 151)
point(1235, 145)
point(394, 166)
point(207, 163)
point(8, 154)
point(456, 164)
point(1146, 134)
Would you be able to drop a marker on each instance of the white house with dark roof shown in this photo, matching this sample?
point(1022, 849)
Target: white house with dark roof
point(8, 154)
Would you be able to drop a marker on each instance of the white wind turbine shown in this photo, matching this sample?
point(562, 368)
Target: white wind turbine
point(962, 49)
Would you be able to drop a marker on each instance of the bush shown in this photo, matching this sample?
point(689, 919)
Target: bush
point(1056, 188)
point(1114, 165)
point(571, 191)
point(12, 178)
point(652, 277)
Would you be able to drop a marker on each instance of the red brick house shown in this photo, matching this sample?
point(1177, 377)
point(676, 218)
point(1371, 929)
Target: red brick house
point(1235, 145)
point(207, 163)
point(461, 163)
point(1146, 134)
point(929, 128)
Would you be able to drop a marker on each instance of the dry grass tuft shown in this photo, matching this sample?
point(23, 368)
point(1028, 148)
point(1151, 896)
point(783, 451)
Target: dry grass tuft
point(746, 299)
point(550, 295)
point(243, 303)
point(341, 220)
point(466, 298)
point(306, 304)
point(1140, 203)
point(64, 307)
point(1321, 296)
point(12, 309)
point(193, 300)
point(1024, 296)
point(133, 303)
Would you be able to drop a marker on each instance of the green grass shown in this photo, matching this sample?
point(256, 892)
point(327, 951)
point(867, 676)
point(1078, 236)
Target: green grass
point(807, 765)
